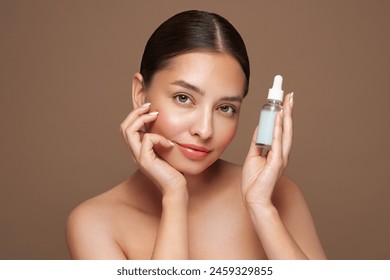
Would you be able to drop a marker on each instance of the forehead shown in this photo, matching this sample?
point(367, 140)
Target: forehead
point(210, 71)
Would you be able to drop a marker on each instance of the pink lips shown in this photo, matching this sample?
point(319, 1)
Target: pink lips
point(192, 151)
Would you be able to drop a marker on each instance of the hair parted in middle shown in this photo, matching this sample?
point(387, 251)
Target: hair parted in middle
point(191, 31)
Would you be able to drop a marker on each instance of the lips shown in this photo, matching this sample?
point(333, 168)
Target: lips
point(192, 151)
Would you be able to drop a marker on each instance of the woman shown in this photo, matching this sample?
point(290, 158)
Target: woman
point(184, 202)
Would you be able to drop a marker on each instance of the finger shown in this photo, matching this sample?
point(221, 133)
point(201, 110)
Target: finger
point(287, 126)
point(133, 134)
point(133, 115)
point(276, 148)
point(149, 141)
point(139, 123)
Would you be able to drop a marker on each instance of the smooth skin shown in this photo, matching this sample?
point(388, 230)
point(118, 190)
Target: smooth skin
point(186, 204)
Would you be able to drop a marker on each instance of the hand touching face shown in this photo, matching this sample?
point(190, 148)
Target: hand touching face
point(198, 98)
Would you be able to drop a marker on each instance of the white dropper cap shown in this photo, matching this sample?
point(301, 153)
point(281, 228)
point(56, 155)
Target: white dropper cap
point(276, 92)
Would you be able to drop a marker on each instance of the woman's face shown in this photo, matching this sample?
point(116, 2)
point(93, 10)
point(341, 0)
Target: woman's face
point(198, 97)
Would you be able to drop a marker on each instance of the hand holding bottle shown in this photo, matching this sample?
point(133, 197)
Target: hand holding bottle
point(261, 172)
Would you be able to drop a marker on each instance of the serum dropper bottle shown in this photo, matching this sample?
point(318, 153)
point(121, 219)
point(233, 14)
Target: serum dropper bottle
point(268, 114)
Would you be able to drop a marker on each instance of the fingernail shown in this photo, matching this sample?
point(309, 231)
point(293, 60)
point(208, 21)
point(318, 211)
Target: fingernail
point(292, 100)
point(146, 105)
point(153, 113)
point(171, 143)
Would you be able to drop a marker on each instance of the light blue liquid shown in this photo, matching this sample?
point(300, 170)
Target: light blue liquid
point(266, 124)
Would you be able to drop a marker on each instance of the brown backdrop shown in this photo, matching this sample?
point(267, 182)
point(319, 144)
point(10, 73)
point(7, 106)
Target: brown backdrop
point(65, 82)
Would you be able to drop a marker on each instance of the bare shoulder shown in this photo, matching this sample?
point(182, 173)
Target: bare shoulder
point(287, 192)
point(295, 214)
point(90, 229)
point(290, 201)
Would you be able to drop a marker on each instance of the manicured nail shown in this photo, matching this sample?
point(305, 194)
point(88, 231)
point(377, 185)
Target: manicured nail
point(292, 100)
point(153, 113)
point(146, 105)
point(170, 142)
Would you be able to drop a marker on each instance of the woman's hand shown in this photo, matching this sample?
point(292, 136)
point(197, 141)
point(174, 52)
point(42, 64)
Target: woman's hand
point(141, 144)
point(282, 222)
point(172, 236)
point(262, 172)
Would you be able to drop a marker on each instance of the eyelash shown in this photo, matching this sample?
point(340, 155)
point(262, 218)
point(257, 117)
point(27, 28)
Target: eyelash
point(232, 108)
point(177, 98)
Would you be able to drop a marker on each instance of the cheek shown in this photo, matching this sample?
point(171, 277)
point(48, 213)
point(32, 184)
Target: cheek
point(167, 123)
point(226, 133)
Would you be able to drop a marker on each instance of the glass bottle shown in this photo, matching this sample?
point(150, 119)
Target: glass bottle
point(268, 114)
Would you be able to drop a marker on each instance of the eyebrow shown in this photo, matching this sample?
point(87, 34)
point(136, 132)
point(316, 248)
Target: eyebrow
point(194, 88)
point(188, 86)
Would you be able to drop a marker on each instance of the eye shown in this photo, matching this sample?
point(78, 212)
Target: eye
point(228, 109)
point(182, 98)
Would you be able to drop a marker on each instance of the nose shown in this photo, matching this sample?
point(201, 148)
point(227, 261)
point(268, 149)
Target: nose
point(203, 125)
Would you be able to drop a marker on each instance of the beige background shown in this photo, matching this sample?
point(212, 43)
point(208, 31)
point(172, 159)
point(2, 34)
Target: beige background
point(65, 81)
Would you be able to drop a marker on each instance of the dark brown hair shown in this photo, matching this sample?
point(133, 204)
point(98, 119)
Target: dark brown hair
point(191, 31)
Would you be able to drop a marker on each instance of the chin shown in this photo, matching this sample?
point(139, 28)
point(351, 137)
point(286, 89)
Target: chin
point(190, 169)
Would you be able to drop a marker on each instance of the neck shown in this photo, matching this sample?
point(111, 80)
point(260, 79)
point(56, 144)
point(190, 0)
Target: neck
point(196, 184)
point(200, 183)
